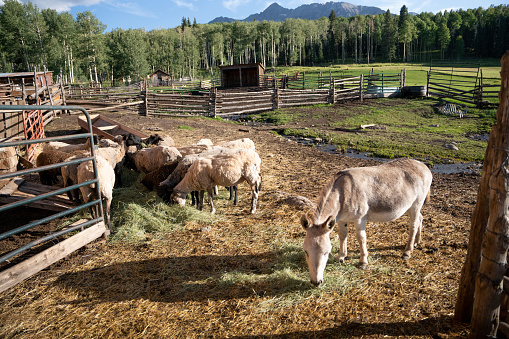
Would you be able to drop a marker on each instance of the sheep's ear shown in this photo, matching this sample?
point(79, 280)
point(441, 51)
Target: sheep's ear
point(305, 222)
point(329, 223)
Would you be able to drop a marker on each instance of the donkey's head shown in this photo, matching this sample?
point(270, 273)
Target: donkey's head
point(317, 246)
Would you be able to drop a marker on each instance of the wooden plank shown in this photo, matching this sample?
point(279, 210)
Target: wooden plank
point(104, 121)
point(11, 186)
point(38, 262)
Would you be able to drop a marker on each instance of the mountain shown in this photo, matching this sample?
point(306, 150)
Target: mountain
point(314, 11)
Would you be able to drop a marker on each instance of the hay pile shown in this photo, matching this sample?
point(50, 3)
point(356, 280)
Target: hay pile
point(243, 275)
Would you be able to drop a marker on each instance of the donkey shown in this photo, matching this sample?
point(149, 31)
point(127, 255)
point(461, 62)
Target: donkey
point(378, 194)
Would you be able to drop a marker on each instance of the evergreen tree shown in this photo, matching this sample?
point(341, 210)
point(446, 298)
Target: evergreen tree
point(389, 37)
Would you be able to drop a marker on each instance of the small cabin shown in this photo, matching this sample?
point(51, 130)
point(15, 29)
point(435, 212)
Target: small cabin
point(17, 78)
point(245, 75)
point(159, 78)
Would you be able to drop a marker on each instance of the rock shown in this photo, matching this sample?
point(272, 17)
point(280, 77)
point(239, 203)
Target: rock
point(451, 147)
point(434, 125)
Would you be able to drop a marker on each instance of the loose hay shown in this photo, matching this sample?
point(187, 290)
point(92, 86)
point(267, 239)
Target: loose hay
point(244, 275)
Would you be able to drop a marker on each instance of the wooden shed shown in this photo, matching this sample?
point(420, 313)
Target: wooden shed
point(17, 78)
point(244, 75)
point(159, 78)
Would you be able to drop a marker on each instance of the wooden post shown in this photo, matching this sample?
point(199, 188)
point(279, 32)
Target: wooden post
point(23, 91)
point(64, 100)
point(361, 94)
point(427, 84)
point(333, 91)
point(303, 80)
point(35, 86)
point(214, 98)
point(479, 293)
point(146, 98)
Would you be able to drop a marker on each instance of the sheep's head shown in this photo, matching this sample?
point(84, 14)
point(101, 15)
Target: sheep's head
point(178, 198)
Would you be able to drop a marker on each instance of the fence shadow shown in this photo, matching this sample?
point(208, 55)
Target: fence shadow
point(435, 327)
point(175, 279)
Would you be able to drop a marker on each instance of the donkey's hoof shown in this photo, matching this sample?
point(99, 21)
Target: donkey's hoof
point(363, 266)
point(340, 259)
point(406, 257)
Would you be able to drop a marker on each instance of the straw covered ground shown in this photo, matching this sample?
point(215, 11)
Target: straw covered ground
point(240, 275)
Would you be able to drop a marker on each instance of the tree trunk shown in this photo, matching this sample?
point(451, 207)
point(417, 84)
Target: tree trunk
point(481, 279)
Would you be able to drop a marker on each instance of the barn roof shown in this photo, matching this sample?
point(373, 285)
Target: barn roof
point(159, 71)
point(21, 74)
point(258, 64)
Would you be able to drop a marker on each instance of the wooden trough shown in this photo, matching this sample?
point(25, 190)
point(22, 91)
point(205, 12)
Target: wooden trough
point(18, 189)
point(106, 127)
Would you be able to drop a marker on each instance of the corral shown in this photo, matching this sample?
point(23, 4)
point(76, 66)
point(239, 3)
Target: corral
point(245, 275)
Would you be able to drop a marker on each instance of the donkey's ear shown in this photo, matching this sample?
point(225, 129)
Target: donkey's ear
point(330, 222)
point(304, 221)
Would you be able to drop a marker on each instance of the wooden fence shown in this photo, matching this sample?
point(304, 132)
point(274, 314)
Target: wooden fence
point(274, 93)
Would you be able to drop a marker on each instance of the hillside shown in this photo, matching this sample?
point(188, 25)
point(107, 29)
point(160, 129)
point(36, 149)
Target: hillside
point(314, 11)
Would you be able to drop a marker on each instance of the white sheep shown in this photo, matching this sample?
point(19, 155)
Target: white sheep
point(65, 147)
point(106, 176)
point(239, 143)
point(193, 149)
point(224, 169)
point(205, 142)
point(115, 155)
point(151, 158)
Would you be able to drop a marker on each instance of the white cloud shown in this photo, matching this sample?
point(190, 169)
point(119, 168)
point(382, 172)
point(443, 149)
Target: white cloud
point(62, 5)
point(131, 8)
point(232, 5)
point(186, 4)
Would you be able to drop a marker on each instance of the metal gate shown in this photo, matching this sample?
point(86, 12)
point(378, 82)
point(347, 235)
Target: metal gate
point(16, 268)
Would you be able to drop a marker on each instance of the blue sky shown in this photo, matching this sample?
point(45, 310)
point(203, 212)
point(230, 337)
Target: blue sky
point(168, 13)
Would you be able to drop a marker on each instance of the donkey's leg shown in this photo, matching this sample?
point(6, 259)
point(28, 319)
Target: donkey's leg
point(343, 235)
point(413, 230)
point(418, 236)
point(360, 233)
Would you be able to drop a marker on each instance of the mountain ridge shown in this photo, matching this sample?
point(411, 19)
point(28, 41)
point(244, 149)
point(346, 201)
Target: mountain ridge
point(314, 11)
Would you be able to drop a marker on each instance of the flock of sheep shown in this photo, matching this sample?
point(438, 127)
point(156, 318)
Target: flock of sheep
point(172, 171)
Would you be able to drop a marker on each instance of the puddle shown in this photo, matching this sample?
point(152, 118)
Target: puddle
point(466, 167)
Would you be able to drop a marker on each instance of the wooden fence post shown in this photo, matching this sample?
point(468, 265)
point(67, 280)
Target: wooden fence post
point(427, 84)
point(214, 98)
point(146, 98)
point(64, 100)
point(303, 80)
point(333, 90)
point(361, 81)
point(495, 181)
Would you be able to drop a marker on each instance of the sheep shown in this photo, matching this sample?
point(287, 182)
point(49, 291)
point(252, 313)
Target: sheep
point(133, 140)
point(70, 176)
point(152, 179)
point(167, 141)
point(239, 143)
point(51, 157)
point(205, 142)
point(224, 169)
point(149, 159)
point(166, 186)
point(193, 149)
point(106, 176)
point(65, 147)
point(115, 155)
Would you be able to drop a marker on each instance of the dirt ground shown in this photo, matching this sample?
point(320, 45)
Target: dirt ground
point(115, 291)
